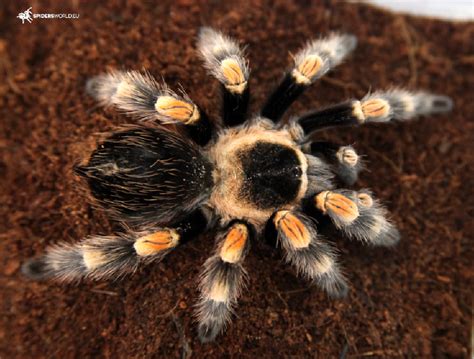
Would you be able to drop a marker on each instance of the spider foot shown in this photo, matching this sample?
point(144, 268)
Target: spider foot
point(222, 281)
point(358, 215)
point(312, 257)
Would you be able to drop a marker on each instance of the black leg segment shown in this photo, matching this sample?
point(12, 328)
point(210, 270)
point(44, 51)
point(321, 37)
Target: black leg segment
point(282, 98)
point(337, 115)
point(311, 63)
point(224, 59)
point(202, 131)
point(376, 107)
point(235, 106)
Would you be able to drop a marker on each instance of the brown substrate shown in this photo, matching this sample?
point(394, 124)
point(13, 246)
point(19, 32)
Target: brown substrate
point(413, 301)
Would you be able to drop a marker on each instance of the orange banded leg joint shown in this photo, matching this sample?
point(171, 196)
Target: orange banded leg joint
point(156, 243)
point(233, 72)
point(339, 207)
point(142, 96)
point(234, 244)
point(359, 215)
point(344, 160)
point(399, 104)
point(380, 106)
point(222, 280)
point(307, 69)
point(225, 60)
point(311, 62)
point(100, 257)
point(177, 110)
point(293, 232)
point(371, 110)
point(312, 257)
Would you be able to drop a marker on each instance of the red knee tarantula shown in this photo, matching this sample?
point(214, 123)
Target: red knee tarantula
point(253, 177)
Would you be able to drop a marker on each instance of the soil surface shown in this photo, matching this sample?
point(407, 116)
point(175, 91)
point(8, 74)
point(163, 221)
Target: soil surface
point(412, 301)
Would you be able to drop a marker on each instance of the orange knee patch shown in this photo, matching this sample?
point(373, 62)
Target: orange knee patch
point(234, 243)
point(176, 109)
point(376, 107)
point(307, 69)
point(234, 76)
point(293, 229)
point(338, 204)
point(156, 242)
point(347, 156)
point(365, 200)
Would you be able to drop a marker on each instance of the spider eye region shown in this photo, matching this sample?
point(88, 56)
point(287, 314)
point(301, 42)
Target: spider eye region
point(272, 174)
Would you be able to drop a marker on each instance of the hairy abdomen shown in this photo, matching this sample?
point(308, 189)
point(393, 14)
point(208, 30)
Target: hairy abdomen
point(145, 175)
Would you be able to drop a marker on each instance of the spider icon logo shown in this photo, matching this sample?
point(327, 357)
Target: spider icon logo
point(25, 15)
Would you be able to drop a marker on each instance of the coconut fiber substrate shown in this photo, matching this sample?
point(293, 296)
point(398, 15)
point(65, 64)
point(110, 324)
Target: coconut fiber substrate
point(412, 301)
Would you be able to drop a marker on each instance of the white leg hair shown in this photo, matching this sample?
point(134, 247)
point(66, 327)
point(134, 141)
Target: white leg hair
point(358, 215)
point(140, 95)
point(319, 56)
point(222, 281)
point(224, 59)
point(99, 257)
point(399, 104)
point(311, 63)
point(312, 257)
point(320, 176)
point(380, 106)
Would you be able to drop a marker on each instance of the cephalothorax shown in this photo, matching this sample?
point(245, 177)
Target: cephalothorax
point(250, 177)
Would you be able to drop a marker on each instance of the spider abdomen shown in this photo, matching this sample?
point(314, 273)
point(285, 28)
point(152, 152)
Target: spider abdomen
point(147, 175)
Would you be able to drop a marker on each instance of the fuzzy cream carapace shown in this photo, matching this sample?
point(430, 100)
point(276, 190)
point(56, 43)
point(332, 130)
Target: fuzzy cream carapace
point(227, 198)
point(252, 177)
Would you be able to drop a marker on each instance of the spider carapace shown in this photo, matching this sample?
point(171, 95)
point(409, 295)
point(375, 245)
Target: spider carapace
point(251, 177)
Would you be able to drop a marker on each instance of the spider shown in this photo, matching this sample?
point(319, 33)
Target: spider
point(252, 178)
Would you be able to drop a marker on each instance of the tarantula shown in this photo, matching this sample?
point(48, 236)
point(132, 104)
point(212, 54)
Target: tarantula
point(250, 177)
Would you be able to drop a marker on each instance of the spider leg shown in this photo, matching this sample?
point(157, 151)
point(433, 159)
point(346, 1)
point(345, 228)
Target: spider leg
point(140, 95)
point(376, 107)
point(100, 257)
point(222, 280)
point(344, 161)
point(312, 257)
point(224, 59)
point(311, 63)
point(358, 215)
